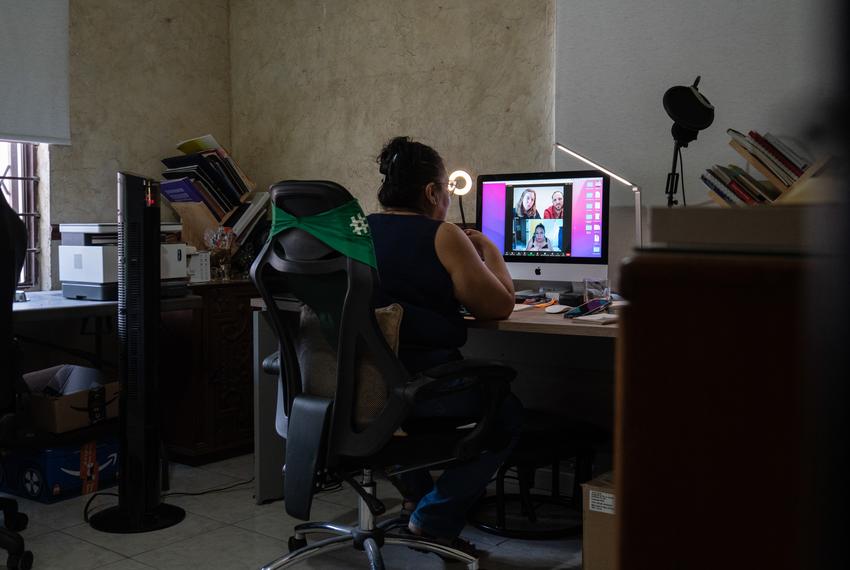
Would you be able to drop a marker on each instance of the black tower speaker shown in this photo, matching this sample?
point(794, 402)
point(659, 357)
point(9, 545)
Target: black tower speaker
point(139, 489)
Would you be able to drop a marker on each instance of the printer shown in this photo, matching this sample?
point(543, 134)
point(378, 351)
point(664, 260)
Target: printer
point(88, 262)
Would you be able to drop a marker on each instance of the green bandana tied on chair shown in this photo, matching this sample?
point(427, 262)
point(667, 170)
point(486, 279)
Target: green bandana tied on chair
point(343, 229)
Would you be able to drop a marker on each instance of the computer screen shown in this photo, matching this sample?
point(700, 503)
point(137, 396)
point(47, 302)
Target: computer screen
point(550, 226)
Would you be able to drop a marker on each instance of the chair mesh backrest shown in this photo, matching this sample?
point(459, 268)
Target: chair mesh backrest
point(335, 347)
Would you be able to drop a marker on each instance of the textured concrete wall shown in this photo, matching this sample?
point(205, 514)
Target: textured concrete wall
point(143, 76)
point(319, 86)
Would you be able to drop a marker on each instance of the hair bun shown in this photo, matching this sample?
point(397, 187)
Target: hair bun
point(387, 163)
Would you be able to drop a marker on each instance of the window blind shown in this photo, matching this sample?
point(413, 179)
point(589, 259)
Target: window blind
point(34, 71)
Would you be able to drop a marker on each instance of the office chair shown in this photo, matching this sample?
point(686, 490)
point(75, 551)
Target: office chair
point(343, 394)
point(13, 243)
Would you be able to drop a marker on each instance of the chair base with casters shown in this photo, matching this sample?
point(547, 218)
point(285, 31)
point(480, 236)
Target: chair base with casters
point(19, 558)
point(546, 441)
point(366, 535)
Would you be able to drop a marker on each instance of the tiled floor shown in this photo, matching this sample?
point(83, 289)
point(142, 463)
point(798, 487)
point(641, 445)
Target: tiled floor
point(227, 531)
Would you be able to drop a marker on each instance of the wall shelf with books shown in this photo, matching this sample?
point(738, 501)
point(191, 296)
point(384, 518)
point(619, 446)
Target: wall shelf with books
point(789, 176)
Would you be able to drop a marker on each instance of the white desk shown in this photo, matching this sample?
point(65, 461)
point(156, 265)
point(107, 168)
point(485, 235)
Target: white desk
point(51, 305)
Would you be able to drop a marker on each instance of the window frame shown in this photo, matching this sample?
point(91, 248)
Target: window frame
point(23, 156)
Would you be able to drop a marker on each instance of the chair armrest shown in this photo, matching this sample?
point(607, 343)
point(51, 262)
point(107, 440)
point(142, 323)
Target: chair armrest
point(455, 377)
point(271, 363)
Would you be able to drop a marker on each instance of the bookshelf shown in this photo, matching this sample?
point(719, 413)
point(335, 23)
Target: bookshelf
point(788, 193)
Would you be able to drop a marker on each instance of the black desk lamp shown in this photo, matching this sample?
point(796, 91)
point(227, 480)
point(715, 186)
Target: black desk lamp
point(691, 112)
point(460, 183)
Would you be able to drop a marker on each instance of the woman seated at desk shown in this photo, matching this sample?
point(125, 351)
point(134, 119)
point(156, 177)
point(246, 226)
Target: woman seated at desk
point(432, 267)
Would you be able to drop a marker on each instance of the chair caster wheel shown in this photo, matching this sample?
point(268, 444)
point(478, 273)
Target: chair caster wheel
point(17, 522)
point(21, 561)
point(296, 543)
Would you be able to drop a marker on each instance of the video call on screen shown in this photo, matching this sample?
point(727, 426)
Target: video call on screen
point(553, 217)
point(537, 218)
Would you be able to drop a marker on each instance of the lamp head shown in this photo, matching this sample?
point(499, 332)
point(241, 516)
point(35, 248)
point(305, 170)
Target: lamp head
point(690, 110)
point(460, 182)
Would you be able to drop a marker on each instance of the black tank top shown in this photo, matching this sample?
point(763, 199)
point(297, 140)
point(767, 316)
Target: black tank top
point(411, 274)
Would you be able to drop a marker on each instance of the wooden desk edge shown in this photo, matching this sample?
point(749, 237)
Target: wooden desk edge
point(531, 321)
point(545, 323)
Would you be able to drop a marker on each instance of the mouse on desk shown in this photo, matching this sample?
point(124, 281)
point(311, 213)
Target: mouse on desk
point(555, 309)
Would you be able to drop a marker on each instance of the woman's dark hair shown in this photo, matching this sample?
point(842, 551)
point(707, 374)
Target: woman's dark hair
point(540, 226)
point(407, 167)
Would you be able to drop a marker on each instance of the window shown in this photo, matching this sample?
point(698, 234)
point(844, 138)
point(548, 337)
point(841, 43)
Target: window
point(19, 185)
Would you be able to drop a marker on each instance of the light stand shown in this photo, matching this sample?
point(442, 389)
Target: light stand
point(460, 183)
point(691, 112)
point(635, 189)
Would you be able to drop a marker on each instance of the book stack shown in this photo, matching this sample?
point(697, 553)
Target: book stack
point(783, 167)
point(208, 189)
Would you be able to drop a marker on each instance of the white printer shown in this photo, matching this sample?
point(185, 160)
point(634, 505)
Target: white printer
point(88, 262)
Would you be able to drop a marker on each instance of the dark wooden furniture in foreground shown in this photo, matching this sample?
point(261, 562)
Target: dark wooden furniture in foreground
point(711, 412)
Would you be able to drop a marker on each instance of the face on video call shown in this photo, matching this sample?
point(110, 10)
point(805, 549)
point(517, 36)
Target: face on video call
point(538, 218)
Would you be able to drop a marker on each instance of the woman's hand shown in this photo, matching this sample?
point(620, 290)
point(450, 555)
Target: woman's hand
point(479, 241)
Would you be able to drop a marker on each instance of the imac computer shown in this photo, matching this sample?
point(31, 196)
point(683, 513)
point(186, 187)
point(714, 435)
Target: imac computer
point(550, 226)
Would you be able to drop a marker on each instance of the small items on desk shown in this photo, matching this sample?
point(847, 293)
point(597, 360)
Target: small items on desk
point(597, 318)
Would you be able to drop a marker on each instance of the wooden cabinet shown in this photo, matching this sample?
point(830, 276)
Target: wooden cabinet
point(206, 387)
point(711, 396)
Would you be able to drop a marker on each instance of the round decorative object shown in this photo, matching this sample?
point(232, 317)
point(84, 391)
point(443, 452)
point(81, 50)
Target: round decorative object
point(32, 482)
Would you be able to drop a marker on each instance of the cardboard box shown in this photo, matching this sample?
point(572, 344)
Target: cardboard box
point(599, 540)
point(52, 474)
point(58, 414)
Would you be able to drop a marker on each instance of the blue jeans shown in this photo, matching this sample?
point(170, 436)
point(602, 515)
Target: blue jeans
point(443, 504)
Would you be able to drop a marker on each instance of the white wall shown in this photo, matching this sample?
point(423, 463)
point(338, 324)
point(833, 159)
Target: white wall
point(765, 65)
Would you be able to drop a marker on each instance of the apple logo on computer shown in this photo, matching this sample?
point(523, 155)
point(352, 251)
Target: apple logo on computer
point(537, 270)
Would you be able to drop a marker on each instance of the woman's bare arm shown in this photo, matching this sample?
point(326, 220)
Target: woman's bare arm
point(479, 275)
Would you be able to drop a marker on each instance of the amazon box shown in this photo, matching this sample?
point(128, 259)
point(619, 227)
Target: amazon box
point(67, 412)
point(599, 539)
point(56, 473)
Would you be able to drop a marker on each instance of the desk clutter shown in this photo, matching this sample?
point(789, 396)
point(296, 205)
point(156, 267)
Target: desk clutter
point(68, 459)
point(788, 173)
point(217, 204)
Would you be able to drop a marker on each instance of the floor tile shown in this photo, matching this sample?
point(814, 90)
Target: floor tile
point(132, 544)
point(184, 478)
point(229, 506)
point(395, 557)
point(226, 548)
point(241, 467)
point(35, 529)
point(62, 514)
point(125, 564)
point(551, 554)
point(276, 523)
point(59, 551)
point(228, 530)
